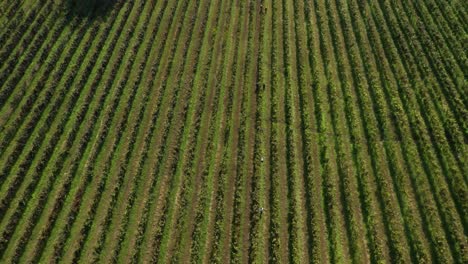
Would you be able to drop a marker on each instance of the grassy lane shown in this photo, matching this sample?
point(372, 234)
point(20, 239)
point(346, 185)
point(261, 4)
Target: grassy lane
point(176, 197)
point(14, 70)
point(25, 123)
point(458, 9)
point(80, 183)
point(106, 128)
point(26, 68)
point(454, 135)
point(387, 198)
point(348, 173)
point(65, 181)
point(399, 21)
point(454, 178)
point(435, 176)
point(21, 36)
point(55, 200)
point(279, 228)
point(407, 200)
point(24, 44)
point(200, 131)
point(217, 245)
point(164, 163)
point(331, 156)
point(298, 227)
point(29, 215)
point(16, 13)
point(447, 51)
point(258, 250)
point(126, 137)
point(151, 116)
point(450, 16)
point(265, 77)
point(126, 197)
point(8, 10)
point(376, 232)
point(106, 208)
point(21, 166)
point(307, 125)
point(319, 246)
point(240, 225)
point(16, 149)
point(385, 179)
point(204, 219)
point(453, 47)
point(417, 172)
point(80, 228)
point(219, 242)
point(207, 129)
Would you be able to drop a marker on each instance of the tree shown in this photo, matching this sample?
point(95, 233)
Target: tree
point(88, 7)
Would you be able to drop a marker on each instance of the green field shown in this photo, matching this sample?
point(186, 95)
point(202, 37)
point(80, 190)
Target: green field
point(242, 131)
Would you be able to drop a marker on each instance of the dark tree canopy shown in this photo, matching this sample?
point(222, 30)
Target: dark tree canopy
point(89, 7)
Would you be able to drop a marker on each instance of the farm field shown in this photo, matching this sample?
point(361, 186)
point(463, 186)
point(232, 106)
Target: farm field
point(256, 131)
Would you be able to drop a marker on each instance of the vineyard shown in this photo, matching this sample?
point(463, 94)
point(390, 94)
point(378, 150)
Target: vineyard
point(243, 131)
